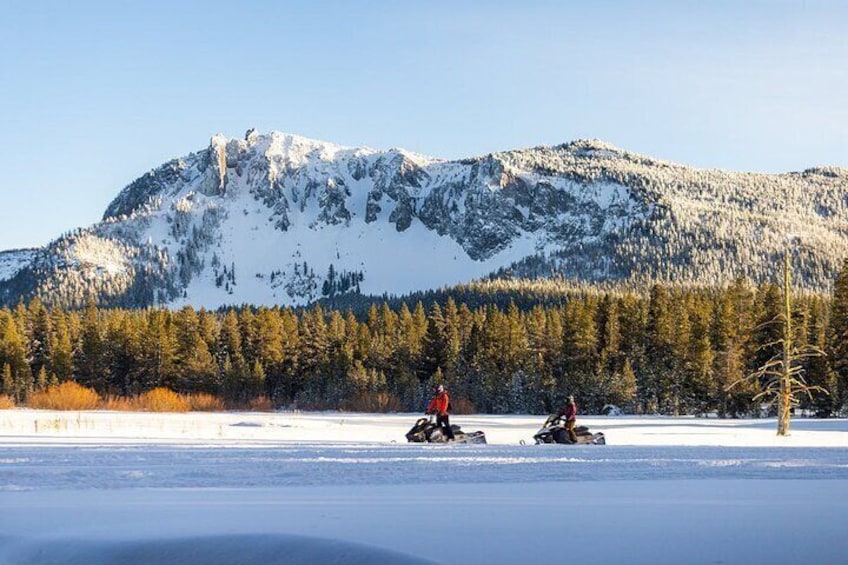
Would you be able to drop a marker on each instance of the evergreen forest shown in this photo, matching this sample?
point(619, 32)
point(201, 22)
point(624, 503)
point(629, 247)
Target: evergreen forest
point(668, 350)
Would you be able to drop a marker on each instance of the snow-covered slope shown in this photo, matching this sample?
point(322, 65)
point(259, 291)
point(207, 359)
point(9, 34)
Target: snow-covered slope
point(281, 219)
point(13, 261)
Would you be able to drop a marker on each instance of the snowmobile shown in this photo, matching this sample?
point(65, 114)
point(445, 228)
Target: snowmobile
point(425, 430)
point(553, 431)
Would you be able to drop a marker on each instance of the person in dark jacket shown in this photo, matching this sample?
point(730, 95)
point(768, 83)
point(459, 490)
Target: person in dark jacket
point(569, 412)
point(439, 406)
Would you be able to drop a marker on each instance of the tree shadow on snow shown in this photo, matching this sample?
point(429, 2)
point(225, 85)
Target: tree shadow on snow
point(209, 550)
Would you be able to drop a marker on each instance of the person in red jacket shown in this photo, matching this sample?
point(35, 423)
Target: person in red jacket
point(569, 412)
point(439, 406)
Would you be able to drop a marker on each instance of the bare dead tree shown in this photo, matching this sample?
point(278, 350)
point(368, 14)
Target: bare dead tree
point(782, 376)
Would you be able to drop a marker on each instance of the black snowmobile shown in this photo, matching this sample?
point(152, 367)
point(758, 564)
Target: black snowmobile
point(553, 431)
point(425, 430)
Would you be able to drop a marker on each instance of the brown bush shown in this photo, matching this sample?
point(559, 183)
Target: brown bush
point(118, 403)
point(202, 402)
point(6, 402)
point(462, 406)
point(66, 396)
point(164, 400)
point(261, 404)
point(372, 402)
point(161, 400)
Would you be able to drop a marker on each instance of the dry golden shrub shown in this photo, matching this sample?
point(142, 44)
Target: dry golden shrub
point(161, 400)
point(261, 404)
point(65, 396)
point(202, 402)
point(6, 402)
point(118, 403)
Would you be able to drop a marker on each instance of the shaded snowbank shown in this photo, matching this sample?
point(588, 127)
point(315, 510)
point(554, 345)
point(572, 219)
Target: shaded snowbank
point(655, 521)
point(210, 550)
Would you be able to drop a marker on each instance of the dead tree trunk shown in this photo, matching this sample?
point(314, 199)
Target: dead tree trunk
point(784, 397)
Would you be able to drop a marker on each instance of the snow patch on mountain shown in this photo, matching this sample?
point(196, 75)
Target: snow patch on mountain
point(11, 262)
point(99, 254)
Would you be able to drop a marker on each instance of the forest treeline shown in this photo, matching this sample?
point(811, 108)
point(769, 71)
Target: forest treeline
point(667, 351)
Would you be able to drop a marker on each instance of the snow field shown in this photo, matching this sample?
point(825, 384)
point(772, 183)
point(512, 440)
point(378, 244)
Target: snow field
point(221, 488)
point(341, 427)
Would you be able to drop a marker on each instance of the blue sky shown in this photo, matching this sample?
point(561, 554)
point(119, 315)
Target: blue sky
point(94, 94)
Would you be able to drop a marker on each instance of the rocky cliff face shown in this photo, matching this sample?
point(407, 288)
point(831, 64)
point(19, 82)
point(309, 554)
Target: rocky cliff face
point(279, 218)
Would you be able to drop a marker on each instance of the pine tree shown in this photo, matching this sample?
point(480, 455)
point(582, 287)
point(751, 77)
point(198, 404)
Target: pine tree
point(314, 344)
point(257, 380)
point(158, 351)
point(60, 348)
point(340, 349)
point(766, 335)
point(90, 360)
point(452, 340)
point(13, 352)
point(438, 377)
point(580, 353)
point(290, 381)
point(660, 334)
point(730, 333)
point(230, 381)
point(837, 336)
point(194, 366)
point(208, 328)
point(699, 378)
point(8, 381)
point(270, 347)
point(818, 368)
point(609, 325)
point(434, 353)
point(401, 373)
point(382, 328)
point(678, 333)
point(515, 340)
point(622, 392)
point(41, 381)
point(553, 360)
point(38, 334)
point(229, 340)
point(247, 330)
point(610, 360)
point(539, 375)
point(123, 349)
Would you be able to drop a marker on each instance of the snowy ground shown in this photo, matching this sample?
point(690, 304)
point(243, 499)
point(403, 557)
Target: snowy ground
point(100, 487)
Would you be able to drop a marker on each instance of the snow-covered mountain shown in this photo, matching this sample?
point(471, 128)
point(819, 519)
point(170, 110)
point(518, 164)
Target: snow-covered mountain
point(281, 219)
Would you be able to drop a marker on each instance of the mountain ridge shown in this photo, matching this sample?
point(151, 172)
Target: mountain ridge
point(283, 219)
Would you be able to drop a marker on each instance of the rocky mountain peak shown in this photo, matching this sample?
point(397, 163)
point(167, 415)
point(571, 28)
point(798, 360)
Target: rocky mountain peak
point(271, 218)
